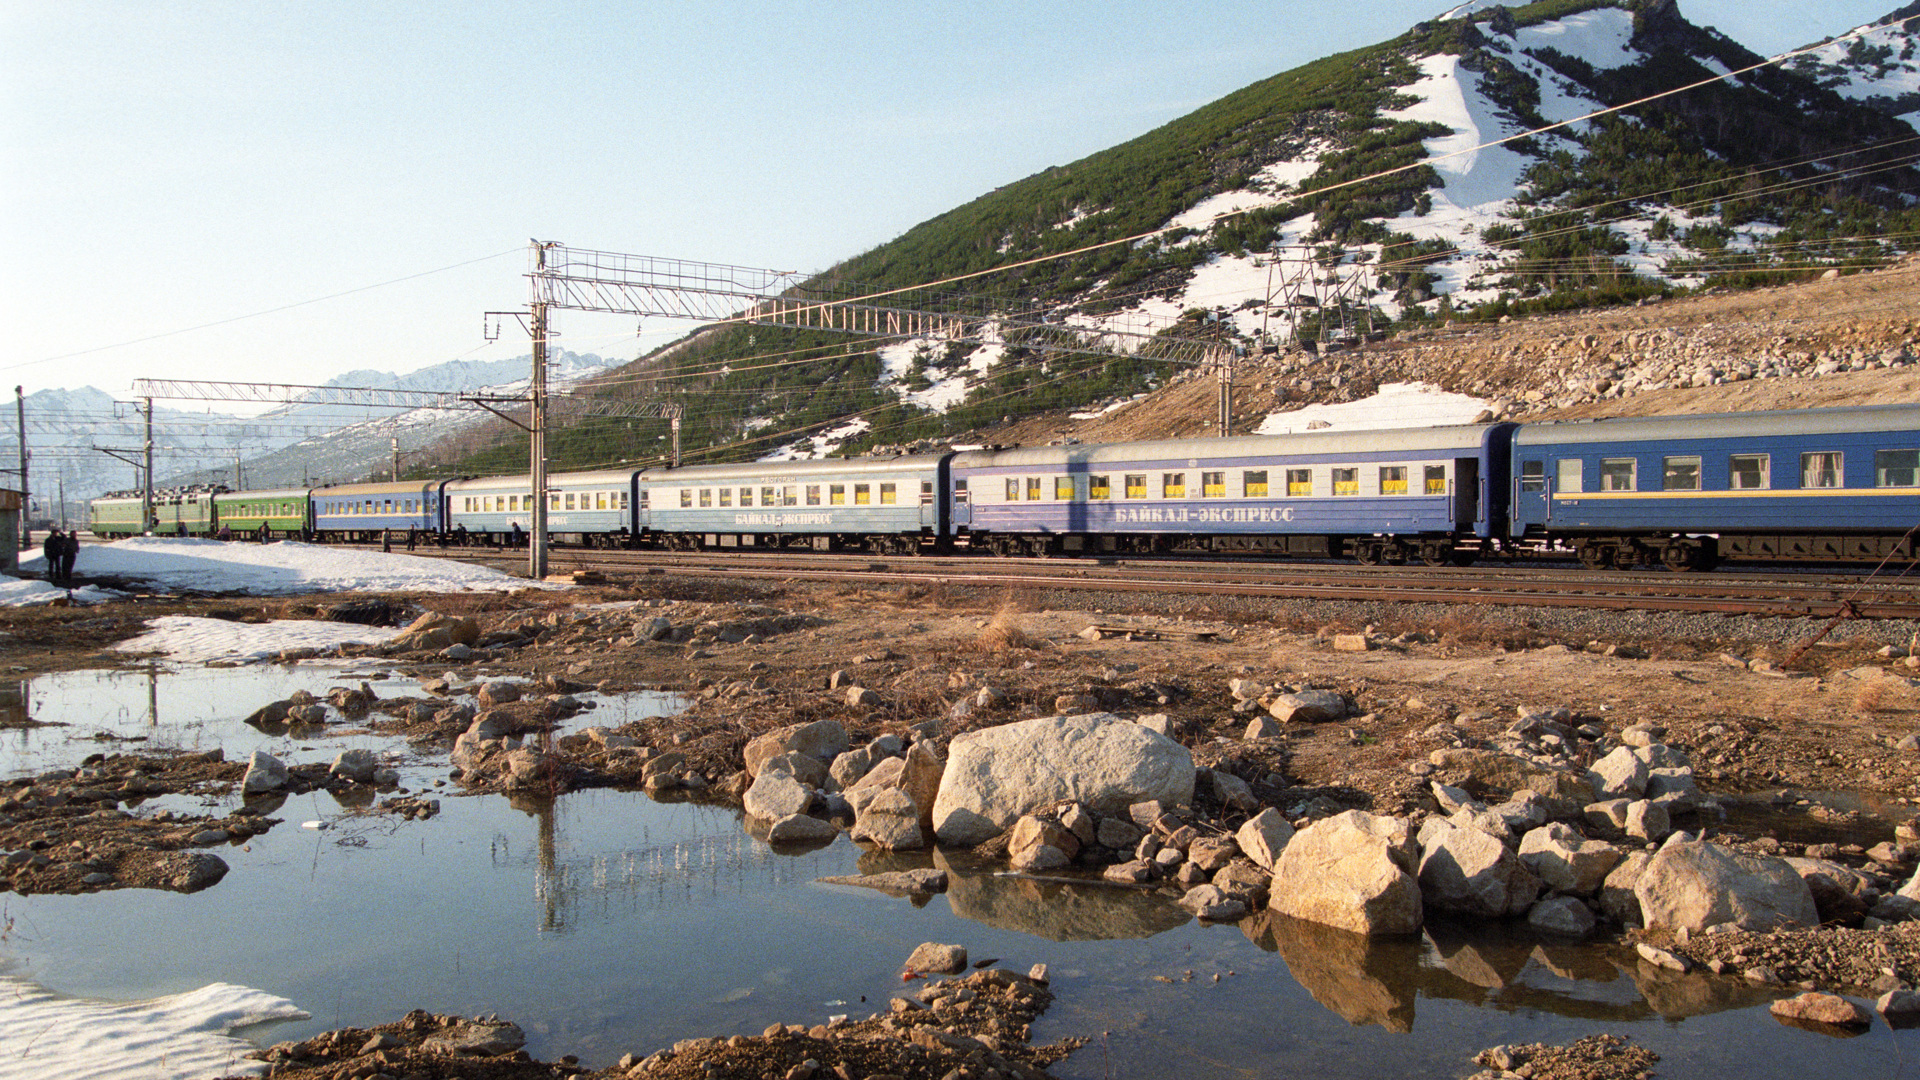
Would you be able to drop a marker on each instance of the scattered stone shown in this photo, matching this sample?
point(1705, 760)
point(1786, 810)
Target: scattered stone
point(1818, 1008)
point(933, 958)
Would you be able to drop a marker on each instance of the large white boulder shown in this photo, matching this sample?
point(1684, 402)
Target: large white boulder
point(822, 739)
point(1566, 861)
point(1695, 885)
point(995, 775)
point(1354, 871)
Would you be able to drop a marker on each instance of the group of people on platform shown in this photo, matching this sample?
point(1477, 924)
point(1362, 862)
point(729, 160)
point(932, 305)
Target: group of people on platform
point(60, 549)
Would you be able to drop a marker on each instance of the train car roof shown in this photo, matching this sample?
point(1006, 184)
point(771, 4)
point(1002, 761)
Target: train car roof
point(265, 493)
point(1839, 421)
point(382, 488)
point(791, 470)
point(1455, 437)
point(524, 481)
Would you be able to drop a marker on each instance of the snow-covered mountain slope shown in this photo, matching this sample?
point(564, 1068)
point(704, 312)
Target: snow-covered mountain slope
point(1878, 68)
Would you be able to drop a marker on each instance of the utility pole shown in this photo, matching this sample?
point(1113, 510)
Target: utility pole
point(146, 489)
point(1226, 391)
point(26, 504)
point(396, 458)
point(236, 468)
point(537, 436)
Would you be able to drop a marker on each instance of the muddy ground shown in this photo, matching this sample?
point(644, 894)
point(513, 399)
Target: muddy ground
point(1808, 756)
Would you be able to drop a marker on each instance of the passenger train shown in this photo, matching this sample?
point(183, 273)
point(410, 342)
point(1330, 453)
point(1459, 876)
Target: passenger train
point(1686, 492)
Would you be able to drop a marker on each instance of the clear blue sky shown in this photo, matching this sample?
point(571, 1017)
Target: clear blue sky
point(170, 163)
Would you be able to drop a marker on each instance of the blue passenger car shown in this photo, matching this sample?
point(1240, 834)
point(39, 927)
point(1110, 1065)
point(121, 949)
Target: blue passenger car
point(1437, 494)
point(589, 509)
point(361, 512)
point(1813, 484)
point(875, 504)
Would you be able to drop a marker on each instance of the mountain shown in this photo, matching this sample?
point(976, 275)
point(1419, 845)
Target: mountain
point(1333, 204)
point(70, 432)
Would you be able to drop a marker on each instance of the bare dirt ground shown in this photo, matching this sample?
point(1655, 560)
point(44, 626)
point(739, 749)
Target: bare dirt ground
point(755, 657)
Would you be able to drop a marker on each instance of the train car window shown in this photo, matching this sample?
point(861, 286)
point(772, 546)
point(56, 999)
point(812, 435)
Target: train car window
point(553, 500)
point(646, 503)
point(1570, 475)
point(889, 494)
point(926, 493)
point(1896, 468)
point(686, 499)
point(862, 495)
point(1619, 474)
point(1033, 489)
point(1299, 481)
point(1748, 471)
point(623, 500)
point(1393, 479)
point(1346, 481)
point(706, 497)
point(746, 496)
point(1680, 474)
point(1136, 485)
point(1254, 482)
point(813, 494)
point(959, 491)
point(1063, 488)
point(726, 496)
point(837, 494)
point(1099, 487)
point(1213, 485)
point(1173, 485)
point(1533, 476)
point(600, 499)
point(1436, 479)
point(1013, 489)
point(790, 495)
point(1820, 469)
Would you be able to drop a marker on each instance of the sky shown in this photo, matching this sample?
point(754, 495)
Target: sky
point(267, 191)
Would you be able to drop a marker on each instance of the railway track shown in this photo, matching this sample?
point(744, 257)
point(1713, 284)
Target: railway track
point(1742, 593)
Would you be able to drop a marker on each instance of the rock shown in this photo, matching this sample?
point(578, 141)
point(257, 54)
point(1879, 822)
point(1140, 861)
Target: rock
point(805, 768)
point(1647, 820)
point(476, 1039)
point(1117, 833)
point(1038, 844)
point(189, 871)
point(920, 777)
point(1351, 643)
point(499, 692)
point(264, 773)
point(1470, 872)
point(1619, 775)
point(1354, 871)
point(1308, 707)
point(860, 697)
point(1080, 823)
point(1816, 1008)
point(849, 767)
point(1617, 898)
point(995, 775)
point(1662, 958)
point(1132, 872)
point(1674, 788)
point(1245, 882)
point(356, 765)
point(1231, 791)
point(1264, 836)
point(527, 767)
point(1561, 915)
point(927, 880)
point(1840, 894)
point(1451, 799)
point(1209, 853)
point(933, 958)
point(1565, 790)
point(1263, 727)
point(889, 819)
point(1209, 902)
point(1566, 861)
point(801, 829)
point(822, 739)
point(307, 715)
point(1694, 885)
point(1159, 723)
point(1900, 1007)
point(433, 630)
point(1607, 814)
point(776, 795)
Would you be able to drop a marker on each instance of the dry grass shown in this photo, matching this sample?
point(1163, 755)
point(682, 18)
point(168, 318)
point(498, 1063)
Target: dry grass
point(1874, 696)
point(1003, 633)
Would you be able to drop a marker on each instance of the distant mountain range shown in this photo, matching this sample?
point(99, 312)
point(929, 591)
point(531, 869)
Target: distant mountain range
point(289, 445)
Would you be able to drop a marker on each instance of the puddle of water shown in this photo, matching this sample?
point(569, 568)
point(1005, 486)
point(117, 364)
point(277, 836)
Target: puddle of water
point(1797, 820)
point(607, 923)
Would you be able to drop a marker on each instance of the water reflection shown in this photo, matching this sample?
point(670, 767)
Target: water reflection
point(1057, 910)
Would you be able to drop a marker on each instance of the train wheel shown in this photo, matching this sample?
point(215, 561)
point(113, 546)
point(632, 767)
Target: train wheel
point(1681, 557)
point(1464, 556)
point(1628, 555)
point(1367, 553)
point(1595, 556)
point(1435, 552)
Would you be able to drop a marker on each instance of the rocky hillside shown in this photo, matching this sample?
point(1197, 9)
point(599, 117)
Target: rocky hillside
point(1273, 221)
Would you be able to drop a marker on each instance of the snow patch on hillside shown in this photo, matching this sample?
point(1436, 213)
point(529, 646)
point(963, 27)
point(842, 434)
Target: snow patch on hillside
point(1396, 405)
point(821, 445)
point(178, 1037)
point(1879, 65)
point(1602, 37)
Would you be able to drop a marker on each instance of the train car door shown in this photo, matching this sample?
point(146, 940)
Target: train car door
point(1466, 493)
point(1530, 495)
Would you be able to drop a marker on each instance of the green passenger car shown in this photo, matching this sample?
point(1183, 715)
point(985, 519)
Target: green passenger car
point(284, 512)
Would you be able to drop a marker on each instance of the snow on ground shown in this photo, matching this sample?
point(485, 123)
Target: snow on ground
point(278, 569)
point(1864, 79)
point(1602, 37)
point(821, 445)
point(179, 1037)
point(946, 391)
point(191, 639)
point(1397, 405)
point(27, 592)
